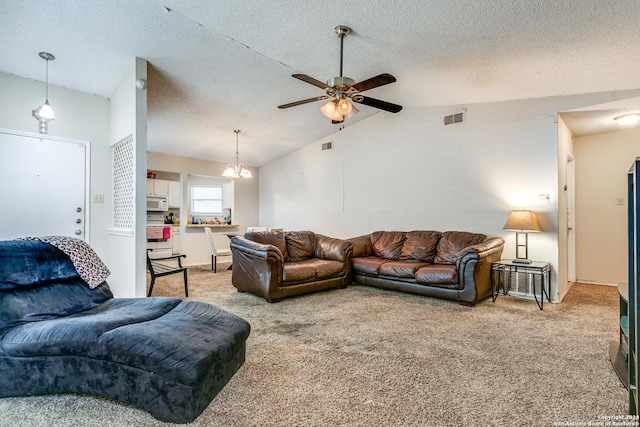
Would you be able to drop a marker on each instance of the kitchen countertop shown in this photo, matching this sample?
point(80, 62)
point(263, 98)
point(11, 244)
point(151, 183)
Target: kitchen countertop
point(213, 225)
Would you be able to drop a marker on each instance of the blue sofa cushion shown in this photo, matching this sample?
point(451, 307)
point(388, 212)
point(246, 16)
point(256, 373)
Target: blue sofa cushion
point(138, 332)
point(49, 301)
point(25, 263)
point(39, 282)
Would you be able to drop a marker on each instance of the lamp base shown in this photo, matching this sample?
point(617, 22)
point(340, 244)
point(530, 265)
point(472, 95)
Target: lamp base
point(521, 261)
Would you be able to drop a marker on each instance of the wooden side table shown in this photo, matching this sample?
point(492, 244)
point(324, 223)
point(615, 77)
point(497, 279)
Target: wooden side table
point(507, 266)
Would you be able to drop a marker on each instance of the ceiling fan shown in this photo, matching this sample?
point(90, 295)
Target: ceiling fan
point(342, 89)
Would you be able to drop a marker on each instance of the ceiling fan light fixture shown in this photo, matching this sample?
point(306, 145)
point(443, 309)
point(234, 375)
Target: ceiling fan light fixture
point(628, 119)
point(343, 91)
point(344, 106)
point(329, 109)
point(337, 117)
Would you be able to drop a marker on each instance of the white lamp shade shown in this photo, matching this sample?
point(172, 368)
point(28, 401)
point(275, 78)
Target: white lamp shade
point(230, 172)
point(44, 112)
point(245, 172)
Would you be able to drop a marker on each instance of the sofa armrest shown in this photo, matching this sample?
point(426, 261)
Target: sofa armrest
point(474, 269)
point(361, 245)
point(333, 249)
point(257, 268)
point(484, 249)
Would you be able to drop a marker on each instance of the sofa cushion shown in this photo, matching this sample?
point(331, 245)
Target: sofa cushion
point(387, 244)
point(49, 301)
point(328, 268)
point(405, 269)
point(441, 275)
point(275, 238)
point(78, 333)
point(121, 331)
point(369, 265)
point(28, 263)
point(452, 243)
point(300, 245)
point(310, 269)
point(420, 245)
point(298, 271)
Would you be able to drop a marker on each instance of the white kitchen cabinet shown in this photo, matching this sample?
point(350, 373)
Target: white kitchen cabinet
point(157, 187)
point(174, 194)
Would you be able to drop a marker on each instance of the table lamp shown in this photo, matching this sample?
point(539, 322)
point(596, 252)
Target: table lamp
point(522, 222)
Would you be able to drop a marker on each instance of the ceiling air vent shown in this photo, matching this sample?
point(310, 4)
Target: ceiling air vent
point(454, 118)
point(327, 146)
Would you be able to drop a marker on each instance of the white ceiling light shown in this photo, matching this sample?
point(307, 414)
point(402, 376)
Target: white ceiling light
point(236, 170)
point(44, 113)
point(628, 119)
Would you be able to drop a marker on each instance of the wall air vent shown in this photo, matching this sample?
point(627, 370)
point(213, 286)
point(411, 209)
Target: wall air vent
point(327, 146)
point(454, 118)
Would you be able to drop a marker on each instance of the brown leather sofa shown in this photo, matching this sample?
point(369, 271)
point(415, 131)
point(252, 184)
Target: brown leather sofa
point(276, 265)
point(453, 265)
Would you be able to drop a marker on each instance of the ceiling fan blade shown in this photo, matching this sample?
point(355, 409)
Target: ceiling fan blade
point(376, 103)
point(304, 101)
point(379, 80)
point(310, 80)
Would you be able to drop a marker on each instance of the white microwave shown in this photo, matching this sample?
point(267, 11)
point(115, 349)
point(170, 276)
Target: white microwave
point(157, 204)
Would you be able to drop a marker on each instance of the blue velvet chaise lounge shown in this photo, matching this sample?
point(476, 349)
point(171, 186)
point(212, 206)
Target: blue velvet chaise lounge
point(63, 333)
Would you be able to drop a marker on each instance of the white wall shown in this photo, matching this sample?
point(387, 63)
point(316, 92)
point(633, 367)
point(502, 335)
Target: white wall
point(78, 116)
point(245, 200)
point(602, 163)
point(409, 171)
point(101, 122)
point(127, 248)
point(566, 188)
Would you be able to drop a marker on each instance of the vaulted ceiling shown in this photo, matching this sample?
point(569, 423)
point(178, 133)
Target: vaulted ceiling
point(216, 66)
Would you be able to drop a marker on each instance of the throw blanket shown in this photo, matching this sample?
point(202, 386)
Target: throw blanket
point(86, 262)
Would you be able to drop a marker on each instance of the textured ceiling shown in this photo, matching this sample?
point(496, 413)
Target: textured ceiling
point(215, 66)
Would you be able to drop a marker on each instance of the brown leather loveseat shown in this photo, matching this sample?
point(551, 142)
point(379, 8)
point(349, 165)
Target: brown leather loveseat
point(276, 265)
point(453, 265)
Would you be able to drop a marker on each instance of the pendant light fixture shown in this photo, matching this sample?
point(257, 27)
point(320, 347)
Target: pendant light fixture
point(44, 113)
point(236, 170)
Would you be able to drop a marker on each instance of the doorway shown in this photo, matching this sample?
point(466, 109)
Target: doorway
point(594, 156)
point(44, 186)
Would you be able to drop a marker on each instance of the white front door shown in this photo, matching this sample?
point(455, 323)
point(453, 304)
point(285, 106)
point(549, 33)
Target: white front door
point(43, 186)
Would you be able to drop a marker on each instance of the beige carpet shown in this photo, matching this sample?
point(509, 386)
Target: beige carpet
point(364, 357)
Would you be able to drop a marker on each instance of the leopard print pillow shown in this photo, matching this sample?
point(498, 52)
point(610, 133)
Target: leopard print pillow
point(86, 262)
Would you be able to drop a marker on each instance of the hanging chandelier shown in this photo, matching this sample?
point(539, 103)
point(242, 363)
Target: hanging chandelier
point(44, 113)
point(237, 169)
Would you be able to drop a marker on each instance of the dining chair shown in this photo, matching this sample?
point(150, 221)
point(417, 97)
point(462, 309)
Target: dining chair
point(219, 246)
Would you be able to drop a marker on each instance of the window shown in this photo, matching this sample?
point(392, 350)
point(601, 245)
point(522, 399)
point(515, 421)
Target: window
point(206, 199)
